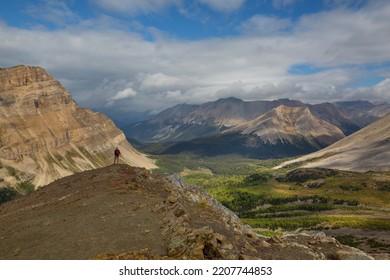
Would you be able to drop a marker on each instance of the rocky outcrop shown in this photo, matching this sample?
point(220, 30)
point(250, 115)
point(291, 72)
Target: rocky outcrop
point(45, 134)
point(224, 236)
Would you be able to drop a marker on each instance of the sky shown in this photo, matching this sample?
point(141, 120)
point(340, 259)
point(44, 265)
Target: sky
point(124, 57)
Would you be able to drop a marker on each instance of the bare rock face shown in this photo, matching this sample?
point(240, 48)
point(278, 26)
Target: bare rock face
point(45, 134)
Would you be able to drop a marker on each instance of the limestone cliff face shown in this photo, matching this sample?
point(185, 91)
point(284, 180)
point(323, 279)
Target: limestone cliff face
point(44, 133)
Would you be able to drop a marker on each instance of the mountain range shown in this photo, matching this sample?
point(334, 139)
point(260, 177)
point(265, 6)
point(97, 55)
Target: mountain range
point(46, 136)
point(264, 129)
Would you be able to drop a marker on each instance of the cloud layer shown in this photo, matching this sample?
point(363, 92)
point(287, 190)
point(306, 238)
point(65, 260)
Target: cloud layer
point(106, 64)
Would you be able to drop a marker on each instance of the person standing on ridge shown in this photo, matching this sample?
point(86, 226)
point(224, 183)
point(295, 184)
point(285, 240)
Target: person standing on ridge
point(117, 153)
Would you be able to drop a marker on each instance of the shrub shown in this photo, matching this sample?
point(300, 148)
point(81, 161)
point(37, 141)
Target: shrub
point(12, 171)
point(25, 187)
point(350, 188)
point(353, 203)
point(256, 178)
point(302, 175)
point(243, 201)
point(338, 201)
point(6, 194)
point(383, 186)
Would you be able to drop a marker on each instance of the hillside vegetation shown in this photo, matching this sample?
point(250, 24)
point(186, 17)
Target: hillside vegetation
point(286, 200)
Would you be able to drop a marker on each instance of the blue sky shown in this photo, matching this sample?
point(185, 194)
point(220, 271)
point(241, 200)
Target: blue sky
point(125, 56)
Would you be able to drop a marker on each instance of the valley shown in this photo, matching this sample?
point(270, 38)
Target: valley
point(353, 207)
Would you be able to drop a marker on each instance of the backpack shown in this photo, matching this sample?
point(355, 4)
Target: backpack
point(117, 152)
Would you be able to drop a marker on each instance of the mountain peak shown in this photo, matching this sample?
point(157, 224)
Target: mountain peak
point(292, 113)
point(229, 99)
point(284, 108)
point(291, 124)
point(30, 89)
point(22, 75)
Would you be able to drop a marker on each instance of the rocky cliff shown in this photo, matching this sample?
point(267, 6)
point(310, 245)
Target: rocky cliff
point(44, 134)
point(122, 212)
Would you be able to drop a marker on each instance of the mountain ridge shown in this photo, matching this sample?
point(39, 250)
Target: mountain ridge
point(185, 122)
point(365, 150)
point(123, 212)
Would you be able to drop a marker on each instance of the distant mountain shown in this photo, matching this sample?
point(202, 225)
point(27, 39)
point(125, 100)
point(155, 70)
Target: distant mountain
point(45, 135)
point(368, 149)
point(194, 128)
point(166, 125)
point(286, 124)
point(362, 112)
point(185, 122)
point(331, 113)
point(281, 132)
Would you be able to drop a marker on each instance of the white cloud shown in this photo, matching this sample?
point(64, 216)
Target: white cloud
point(128, 92)
point(174, 95)
point(264, 25)
point(56, 12)
point(223, 5)
point(281, 4)
point(381, 91)
point(343, 3)
point(378, 93)
point(136, 6)
point(347, 36)
point(159, 82)
point(156, 6)
point(235, 89)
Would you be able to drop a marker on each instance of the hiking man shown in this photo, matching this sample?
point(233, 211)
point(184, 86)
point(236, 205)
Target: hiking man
point(117, 153)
